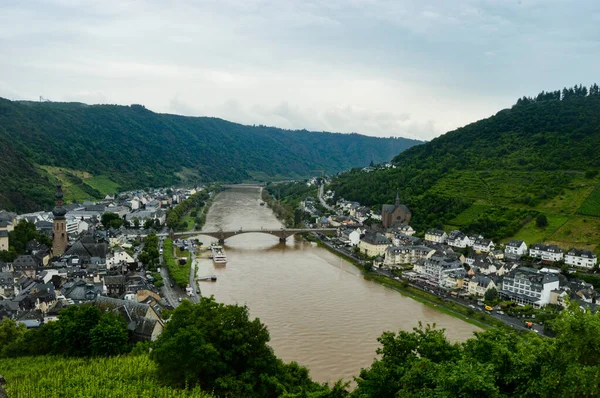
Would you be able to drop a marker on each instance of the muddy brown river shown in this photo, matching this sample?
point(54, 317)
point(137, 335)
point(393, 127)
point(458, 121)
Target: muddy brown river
point(318, 308)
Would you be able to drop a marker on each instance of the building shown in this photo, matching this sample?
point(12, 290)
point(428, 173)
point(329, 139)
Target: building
point(480, 284)
point(4, 246)
point(409, 254)
point(483, 245)
point(581, 258)
point(436, 236)
point(373, 244)
point(437, 268)
point(547, 253)
point(525, 286)
point(458, 239)
point(59, 230)
point(143, 320)
point(395, 215)
point(115, 285)
point(515, 249)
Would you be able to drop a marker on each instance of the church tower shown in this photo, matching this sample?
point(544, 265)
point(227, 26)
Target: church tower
point(397, 199)
point(59, 229)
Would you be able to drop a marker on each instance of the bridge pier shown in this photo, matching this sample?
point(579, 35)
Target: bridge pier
point(283, 239)
point(221, 241)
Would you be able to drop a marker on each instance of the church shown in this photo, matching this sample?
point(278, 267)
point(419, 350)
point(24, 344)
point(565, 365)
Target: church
point(395, 215)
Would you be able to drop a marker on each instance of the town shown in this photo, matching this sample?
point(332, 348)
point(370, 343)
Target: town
point(93, 252)
point(469, 269)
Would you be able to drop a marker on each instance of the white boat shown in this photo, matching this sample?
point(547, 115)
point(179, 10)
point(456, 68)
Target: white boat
point(218, 254)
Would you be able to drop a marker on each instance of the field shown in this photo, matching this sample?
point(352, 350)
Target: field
point(80, 186)
point(580, 231)
point(470, 215)
point(532, 234)
point(125, 376)
point(591, 205)
point(179, 273)
point(103, 184)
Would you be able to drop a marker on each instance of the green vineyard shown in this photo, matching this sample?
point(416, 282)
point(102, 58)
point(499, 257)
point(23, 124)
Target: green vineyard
point(115, 377)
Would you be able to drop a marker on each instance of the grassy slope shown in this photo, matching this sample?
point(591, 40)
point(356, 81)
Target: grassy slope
point(530, 158)
point(47, 376)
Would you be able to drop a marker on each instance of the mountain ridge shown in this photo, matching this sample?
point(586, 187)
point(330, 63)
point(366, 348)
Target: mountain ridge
point(498, 174)
point(133, 147)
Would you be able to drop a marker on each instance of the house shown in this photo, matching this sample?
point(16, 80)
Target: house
point(406, 254)
point(350, 236)
point(406, 230)
point(581, 258)
point(458, 239)
point(115, 285)
point(373, 244)
point(7, 284)
point(26, 264)
point(4, 246)
point(395, 215)
point(87, 247)
point(526, 285)
point(547, 253)
point(480, 284)
point(119, 256)
point(483, 245)
point(515, 249)
point(455, 279)
point(437, 268)
point(80, 291)
point(487, 265)
point(436, 236)
point(143, 320)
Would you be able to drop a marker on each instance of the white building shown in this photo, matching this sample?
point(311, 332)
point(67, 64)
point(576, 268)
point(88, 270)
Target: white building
point(483, 245)
point(581, 258)
point(529, 286)
point(515, 249)
point(458, 239)
point(437, 268)
point(406, 230)
point(547, 253)
point(479, 285)
point(436, 236)
point(409, 254)
point(120, 256)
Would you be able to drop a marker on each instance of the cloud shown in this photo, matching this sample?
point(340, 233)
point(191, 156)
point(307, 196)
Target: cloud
point(379, 67)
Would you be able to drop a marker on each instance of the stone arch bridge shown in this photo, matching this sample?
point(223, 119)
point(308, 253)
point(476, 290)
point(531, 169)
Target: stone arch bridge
point(281, 233)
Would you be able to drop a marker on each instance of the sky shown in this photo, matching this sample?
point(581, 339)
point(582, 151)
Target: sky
point(398, 68)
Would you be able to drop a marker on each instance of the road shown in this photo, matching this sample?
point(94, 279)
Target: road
point(320, 195)
point(195, 297)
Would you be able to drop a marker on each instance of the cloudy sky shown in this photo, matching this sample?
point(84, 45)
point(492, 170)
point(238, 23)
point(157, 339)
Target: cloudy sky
point(377, 67)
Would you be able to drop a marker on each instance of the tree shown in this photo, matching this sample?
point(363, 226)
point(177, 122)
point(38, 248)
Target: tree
point(23, 233)
point(109, 336)
point(491, 295)
point(541, 221)
point(136, 223)
point(219, 348)
point(111, 220)
point(149, 223)
point(72, 337)
point(11, 334)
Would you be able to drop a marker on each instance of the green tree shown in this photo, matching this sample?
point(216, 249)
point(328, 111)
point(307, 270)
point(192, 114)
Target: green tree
point(491, 295)
point(23, 233)
point(149, 223)
point(72, 335)
point(541, 221)
point(109, 336)
point(11, 333)
point(111, 220)
point(219, 348)
point(136, 223)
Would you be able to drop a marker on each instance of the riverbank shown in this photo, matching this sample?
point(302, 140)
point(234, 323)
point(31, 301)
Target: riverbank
point(446, 306)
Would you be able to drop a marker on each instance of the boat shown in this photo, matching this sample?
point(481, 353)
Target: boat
point(262, 203)
point(218, 254)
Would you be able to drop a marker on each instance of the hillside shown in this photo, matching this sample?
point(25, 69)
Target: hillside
point(498, 174)
point(95, 150)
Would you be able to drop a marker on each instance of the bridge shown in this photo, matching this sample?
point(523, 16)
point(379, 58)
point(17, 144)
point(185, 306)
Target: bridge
point(243, 186)
point(281, 233)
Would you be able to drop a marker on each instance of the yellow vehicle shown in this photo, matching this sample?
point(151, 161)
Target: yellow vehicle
point(488, 308)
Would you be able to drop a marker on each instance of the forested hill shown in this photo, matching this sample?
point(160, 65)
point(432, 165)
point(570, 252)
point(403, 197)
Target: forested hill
point(100, 148)
point(541, 156)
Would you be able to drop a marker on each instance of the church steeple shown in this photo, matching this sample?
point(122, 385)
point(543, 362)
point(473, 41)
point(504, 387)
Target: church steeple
point(59, 228)
point(397, 199)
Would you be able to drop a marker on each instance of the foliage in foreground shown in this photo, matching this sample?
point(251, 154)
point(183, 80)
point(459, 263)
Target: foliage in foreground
point(218, 348)
point(115, 377)
point(494, 363)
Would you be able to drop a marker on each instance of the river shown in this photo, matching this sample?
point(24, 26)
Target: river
point(318, 308)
